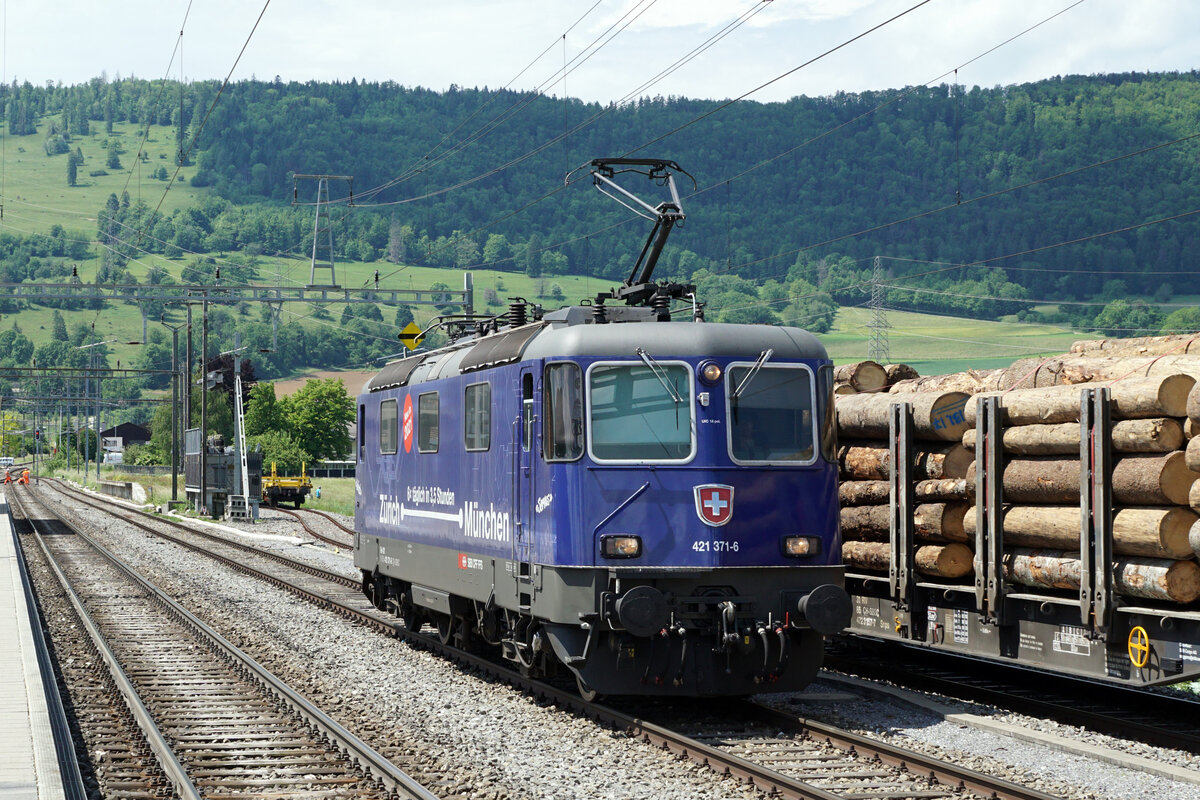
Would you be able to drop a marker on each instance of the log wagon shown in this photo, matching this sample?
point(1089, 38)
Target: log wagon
point(1069, 541)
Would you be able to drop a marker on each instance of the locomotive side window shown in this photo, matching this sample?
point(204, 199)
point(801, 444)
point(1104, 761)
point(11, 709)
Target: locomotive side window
point(527, 412)
point(427, 422)
point(477, 416)
point(387, 427)
point(770, 413)
point(639, 414)
point(829, 418)
point(563, 407)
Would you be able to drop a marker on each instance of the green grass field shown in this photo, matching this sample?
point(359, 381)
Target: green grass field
point(937, 345)
point(35, 185)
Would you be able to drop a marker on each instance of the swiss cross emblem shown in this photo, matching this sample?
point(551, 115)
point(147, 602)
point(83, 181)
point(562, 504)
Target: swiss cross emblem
point(714, 503)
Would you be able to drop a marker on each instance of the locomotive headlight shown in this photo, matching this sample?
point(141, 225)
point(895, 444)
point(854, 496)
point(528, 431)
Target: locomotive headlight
point(801, 546)
point(620, 546)
point(711, 372)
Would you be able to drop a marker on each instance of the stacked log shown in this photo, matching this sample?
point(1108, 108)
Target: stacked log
point(1155, 410)
point(899, 372)
point(1182, 343)
point(863, 376)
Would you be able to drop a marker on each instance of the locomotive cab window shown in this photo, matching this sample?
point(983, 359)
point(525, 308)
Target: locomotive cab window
point(477, 416)
point(387, 427)
point(562, 433)
point(770, 413)
point(636, 413)
point(427, 423)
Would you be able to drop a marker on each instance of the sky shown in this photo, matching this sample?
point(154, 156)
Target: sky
point(613, 48)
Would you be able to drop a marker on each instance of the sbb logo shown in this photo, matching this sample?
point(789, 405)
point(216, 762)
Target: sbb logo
point(408, 423)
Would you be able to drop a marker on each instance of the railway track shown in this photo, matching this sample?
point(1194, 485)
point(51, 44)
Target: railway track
point(811, 760)
point(1157, 719)
point(211, 720)
point(335, 541)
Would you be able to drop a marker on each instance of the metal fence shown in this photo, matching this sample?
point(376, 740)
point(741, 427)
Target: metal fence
point(142, 469)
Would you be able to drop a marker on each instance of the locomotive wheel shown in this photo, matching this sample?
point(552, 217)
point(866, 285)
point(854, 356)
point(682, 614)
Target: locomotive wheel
point(411, 617)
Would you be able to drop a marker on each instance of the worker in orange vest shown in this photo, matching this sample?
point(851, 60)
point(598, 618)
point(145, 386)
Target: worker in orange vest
point(24, 477)
point(8, 475)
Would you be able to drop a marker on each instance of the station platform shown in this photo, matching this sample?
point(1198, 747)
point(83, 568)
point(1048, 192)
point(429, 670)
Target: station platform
point(37, 760)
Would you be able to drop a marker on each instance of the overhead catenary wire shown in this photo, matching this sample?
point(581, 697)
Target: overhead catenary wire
point(579, 126)
point(161, 88)
point(591, 49)
point(200, 128)
point(836, 128)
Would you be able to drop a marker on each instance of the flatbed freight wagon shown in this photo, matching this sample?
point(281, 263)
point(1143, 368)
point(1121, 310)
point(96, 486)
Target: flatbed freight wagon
point(278, 489)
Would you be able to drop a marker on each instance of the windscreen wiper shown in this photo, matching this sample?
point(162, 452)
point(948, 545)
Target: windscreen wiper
point(659, 373)
point(763, 357)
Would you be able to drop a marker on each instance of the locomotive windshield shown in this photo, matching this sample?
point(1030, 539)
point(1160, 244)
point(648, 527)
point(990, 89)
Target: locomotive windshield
point(636, 413)
point(772, 418)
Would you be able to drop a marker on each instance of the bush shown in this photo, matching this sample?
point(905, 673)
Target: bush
point(146, 454)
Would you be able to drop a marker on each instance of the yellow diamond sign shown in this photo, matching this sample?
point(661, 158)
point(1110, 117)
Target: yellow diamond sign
point(411, 336)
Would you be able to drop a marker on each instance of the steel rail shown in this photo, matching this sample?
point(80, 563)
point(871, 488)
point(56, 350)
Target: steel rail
point(167, 761)
point(358, 751)
point(314, 533)
point(329, 517)
point(300, 566)
point(60, 727)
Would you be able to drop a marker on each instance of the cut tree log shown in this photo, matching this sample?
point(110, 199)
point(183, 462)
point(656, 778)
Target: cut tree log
point(932, 522)
point(1153, 579)
point(1182, 343)
point(864, 376)
point(1192, 454)
point(899, 372)
point(936, 415)
point(844, 388)
point(1137, 480)
point(1193, 404)
point(1155, 435)
point(972, 382)
point(1151, 532)
point(1194, 539)
point(1032, 373)
point(1134, 398)
point(873, 556)
point(952, 560)
point(1194, 497)
point(1190, 428)
point(864, 461)
point(871, 493)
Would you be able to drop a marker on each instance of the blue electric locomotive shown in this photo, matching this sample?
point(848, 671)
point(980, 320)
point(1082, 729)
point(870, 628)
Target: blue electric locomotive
point(650, 503)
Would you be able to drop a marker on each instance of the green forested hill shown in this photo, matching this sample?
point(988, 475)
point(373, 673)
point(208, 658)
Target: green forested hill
point(893, 158)
point(837, 166)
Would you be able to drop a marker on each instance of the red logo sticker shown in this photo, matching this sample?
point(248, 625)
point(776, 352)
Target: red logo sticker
point(462, 560)
point(714, 503)
point(408, 423)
